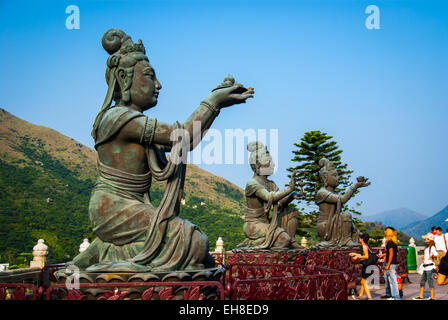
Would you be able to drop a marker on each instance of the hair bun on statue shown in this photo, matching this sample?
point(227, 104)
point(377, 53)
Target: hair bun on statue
point(255, 145)
point(324, 162)
point(113, 39)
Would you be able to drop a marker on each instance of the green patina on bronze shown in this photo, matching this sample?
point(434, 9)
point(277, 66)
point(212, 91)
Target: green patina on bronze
point(264, 199)
point(132, 234)
point(335, 227)
point(116, 148)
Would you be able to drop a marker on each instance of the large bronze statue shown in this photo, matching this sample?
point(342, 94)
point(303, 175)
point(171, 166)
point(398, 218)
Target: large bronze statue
point(264, 199)
point(335, 227)
point(133, 234)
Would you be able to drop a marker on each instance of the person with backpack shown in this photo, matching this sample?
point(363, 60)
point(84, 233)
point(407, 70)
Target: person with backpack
point(368, 258)
point(441, 245)
point(391, 263)
point(429, 267)
point(442, 276)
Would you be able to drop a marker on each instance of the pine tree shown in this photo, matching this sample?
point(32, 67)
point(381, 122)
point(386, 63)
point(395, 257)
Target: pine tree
point(314, 146)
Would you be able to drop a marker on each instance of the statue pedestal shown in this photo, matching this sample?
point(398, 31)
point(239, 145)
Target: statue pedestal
point(248, 255)
point(337, 259)
point(205, 284)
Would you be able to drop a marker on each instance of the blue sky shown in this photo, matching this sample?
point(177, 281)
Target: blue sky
point(381, 93)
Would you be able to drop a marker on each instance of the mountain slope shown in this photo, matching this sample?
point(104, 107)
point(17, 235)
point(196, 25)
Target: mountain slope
point(397, 218)
point(45, 184)
point(375, 229)
point(419, 228)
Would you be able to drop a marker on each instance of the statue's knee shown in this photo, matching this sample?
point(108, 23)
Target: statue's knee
point(347, 217)
point(320, 229)
point(200, 240)
point(284, 239)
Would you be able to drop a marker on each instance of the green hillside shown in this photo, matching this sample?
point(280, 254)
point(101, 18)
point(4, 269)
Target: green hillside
point(45, 184)
point(377, 229)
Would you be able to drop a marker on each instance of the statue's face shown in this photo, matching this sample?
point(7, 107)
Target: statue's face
point(266, 165)
point(333, 178)
point(145, 86)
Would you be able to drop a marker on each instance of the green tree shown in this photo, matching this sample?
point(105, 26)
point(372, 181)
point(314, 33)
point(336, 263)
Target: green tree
point(376, 238)
point(313, 146)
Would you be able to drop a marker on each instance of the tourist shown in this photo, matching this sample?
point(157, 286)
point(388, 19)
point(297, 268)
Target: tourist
point(429, 266)
point(443, 272)
point(443, 268)
point(390, 268)
point(387, 286)
point(433, 230)
point(366, 260)
point(441, 245)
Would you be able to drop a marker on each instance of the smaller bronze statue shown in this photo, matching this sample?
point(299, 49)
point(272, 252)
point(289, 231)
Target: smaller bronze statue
point(335, 227)
point(264, 198)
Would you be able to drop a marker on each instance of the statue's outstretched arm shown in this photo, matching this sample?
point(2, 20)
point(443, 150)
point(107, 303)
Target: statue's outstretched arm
point(333, 197)
point(277, 195)
point(202, 118)
point(196, 125)
point(146, 130)
point(287, 199)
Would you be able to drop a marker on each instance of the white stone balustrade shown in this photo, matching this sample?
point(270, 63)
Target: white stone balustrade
point(219, 245)
point(304, 242)
point(40, 253)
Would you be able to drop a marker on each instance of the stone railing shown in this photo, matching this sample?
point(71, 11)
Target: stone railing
point(37, 272)
point(31, 275)
point(28, 275)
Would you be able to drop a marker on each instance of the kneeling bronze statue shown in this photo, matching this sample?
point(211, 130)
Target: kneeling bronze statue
point(335, 227)
point(269, 222)
point(133, 235)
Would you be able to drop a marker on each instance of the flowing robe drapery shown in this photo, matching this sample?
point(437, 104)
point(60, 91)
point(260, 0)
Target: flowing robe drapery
point(259, 231)
point(336, 226)
point(132, 234)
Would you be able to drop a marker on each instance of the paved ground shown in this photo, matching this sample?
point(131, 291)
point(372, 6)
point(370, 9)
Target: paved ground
point(412, 289)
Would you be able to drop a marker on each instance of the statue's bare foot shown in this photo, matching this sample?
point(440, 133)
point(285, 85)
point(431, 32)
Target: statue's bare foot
point(295, 245)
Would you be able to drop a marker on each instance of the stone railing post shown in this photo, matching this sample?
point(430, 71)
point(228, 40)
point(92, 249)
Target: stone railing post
point(84, 245)
point(219, 245)
point(412, 244)
point(417, 249)
point(40, 253)
point(304, 242)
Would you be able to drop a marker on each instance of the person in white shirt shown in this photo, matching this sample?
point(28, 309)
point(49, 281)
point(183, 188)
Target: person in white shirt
point(441, 242)
point(442, 276)
point(429, 267)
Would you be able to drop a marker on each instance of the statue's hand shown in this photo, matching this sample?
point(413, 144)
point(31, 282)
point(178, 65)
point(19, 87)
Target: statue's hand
point(299, 195)
point(228, 96)
point(362, 182)
point(292, 182)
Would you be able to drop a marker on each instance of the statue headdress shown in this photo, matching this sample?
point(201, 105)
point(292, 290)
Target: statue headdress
point(120, 46)
point(258, 151)
point(325, 166)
